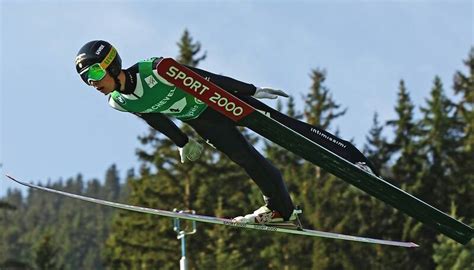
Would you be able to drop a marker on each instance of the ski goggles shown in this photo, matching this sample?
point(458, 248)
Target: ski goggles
point(97, 71)
point(93, 73)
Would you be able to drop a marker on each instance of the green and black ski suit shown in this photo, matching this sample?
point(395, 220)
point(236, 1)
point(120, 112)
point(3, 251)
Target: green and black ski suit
point(153, 99)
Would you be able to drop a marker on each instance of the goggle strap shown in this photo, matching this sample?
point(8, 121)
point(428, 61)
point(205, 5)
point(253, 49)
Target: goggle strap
point(108, 58)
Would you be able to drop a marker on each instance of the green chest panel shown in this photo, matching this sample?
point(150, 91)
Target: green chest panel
point(155, 95)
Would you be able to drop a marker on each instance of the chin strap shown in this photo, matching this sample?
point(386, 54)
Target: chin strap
point(117, 86)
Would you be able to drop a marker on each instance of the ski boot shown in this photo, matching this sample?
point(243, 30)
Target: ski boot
point(268, 217)
point(365, 167)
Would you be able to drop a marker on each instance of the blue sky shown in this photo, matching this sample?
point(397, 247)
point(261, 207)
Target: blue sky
point(53, 126)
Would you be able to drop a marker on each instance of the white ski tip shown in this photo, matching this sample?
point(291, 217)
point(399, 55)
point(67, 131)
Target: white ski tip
point(13, 179)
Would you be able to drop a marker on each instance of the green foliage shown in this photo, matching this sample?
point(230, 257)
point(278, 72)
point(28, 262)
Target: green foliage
point(464, 86)
point(188, 50)
point(405, 144)
point(464, 114)
point(320, 109)
point(407, 165)
point(44, 222)
point(450, 255)
point(377, 148)
point(329, 202)
point(46, 254)
point(7, 206)
point(441, 143)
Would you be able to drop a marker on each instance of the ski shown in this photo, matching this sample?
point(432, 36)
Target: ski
point(219, 221)
point(262, 123)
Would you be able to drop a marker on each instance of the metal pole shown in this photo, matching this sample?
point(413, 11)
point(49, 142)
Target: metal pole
point(183, 262)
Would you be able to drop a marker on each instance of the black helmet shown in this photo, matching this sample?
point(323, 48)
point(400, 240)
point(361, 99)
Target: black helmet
point(98, 51)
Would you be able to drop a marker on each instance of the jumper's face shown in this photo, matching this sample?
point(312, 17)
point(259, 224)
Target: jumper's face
point(106, 85)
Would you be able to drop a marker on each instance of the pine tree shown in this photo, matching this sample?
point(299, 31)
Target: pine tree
point(447, 253)
point(380, 219)
point(46, 254)
point(95, 219)
point(7, 206)
point(81, 227)
point(404, 144)
point(320, 108)
point(438, 145)
point(464, 86)
point(112, 184)
point(188, 51)
point(329, 202)
point(405, 172)
point(376, 148)
point(464, 113)
point(441, 144)
point(11, 246)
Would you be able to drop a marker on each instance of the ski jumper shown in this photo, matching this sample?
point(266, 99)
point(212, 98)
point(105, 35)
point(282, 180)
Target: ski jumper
point(153, 99)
